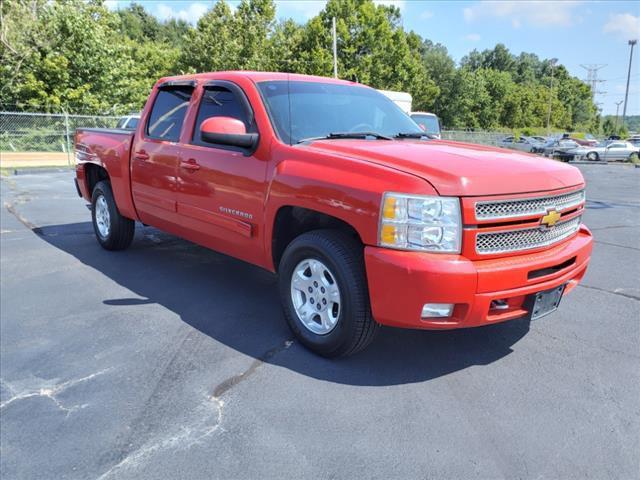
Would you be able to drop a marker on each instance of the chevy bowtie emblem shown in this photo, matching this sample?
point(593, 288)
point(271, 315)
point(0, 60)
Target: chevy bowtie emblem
point(551, 218)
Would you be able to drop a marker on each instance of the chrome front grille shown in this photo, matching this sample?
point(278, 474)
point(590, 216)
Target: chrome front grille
point(499, 209)
point(525, 238)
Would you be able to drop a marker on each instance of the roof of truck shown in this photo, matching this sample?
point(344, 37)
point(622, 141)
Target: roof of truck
point(257, 77)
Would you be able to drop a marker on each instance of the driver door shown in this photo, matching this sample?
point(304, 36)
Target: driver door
point(221, 189)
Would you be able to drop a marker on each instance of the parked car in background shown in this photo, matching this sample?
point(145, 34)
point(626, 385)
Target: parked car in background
point(523, 144)
point(429, 122)
point(634, 140)
point(608, 152)
point(560, 149)
point(129, 122)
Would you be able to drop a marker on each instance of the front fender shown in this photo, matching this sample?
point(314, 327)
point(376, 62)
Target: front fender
point(345, 189)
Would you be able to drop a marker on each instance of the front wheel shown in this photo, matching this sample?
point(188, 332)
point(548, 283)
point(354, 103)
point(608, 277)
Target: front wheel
point(323, 289)
point(593, 156)
point(113, 231)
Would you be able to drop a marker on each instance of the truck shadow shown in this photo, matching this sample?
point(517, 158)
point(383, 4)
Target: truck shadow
point(237, 305)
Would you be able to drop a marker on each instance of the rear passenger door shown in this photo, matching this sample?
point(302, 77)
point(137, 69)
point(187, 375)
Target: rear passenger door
point(156, 155)
point(221, 189)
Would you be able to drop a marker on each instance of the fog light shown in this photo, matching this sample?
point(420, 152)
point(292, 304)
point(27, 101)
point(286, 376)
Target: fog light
point(437, 310)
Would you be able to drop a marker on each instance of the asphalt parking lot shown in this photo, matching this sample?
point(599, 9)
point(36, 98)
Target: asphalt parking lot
point(172, 361)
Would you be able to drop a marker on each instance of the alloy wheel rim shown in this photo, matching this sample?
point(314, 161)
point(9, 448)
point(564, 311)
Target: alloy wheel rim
point(103, 219)
point(315, 296)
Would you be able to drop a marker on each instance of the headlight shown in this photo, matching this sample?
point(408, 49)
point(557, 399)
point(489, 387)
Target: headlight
point(420, 222)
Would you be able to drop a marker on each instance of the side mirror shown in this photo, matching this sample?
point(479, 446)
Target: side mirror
point(227, 131)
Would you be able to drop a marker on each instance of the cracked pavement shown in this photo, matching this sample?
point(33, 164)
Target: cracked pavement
point(172, 361)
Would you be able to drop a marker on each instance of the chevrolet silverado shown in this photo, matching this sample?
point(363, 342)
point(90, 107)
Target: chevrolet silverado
point(327, 183)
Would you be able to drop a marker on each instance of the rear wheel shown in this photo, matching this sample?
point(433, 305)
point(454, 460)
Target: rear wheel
point(113, 231)
point(323, 289)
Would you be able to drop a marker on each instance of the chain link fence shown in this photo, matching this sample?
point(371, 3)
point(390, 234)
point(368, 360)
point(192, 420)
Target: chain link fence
point(47, 134)
point(479, 137)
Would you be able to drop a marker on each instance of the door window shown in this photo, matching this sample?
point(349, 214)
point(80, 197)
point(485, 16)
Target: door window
point(218, 101)
point(168, 112)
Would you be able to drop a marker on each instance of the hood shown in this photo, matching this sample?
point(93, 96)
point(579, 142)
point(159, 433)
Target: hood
point(460, 169)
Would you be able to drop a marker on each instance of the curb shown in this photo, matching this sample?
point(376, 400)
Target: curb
point(587, 162)
point(37, 170)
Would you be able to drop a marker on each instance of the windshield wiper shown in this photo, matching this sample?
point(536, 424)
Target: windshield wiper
point(414, 135)
point(340, 135)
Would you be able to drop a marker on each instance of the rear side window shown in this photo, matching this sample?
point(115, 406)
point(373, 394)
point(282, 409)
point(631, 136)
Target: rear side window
point(219, 101)
point(168, 112)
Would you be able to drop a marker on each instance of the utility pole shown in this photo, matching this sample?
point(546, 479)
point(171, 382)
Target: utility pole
point(617, 108)
point(592, 78)
point(335, 49)
point(626, 95)
point(553, 64)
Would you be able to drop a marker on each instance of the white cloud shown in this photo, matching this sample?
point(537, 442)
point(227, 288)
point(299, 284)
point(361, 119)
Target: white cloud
point(473, 37)
point(534, 13)
point(190, 14)
point(623, 25)
point(401, 4)
point(426, 15)
point(306, 9)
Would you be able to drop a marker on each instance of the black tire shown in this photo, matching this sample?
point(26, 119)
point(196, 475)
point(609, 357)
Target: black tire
point(121, 229)
point(342, 254)
point(593, 156)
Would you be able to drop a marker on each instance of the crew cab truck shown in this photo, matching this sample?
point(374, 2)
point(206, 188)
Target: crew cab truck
point(327, 183)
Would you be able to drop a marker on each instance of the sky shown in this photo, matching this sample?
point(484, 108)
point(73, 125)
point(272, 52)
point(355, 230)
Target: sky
point(590, 33)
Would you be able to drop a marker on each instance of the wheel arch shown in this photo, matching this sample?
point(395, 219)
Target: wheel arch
point(292, 221)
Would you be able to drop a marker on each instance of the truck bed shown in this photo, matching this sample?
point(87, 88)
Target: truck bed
point(110, 149)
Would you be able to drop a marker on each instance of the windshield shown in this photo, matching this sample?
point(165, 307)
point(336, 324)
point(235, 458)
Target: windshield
point(429, 123)
point(302, 110)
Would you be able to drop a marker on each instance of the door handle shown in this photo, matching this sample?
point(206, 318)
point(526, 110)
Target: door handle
point(141, 155)
point(190, 164)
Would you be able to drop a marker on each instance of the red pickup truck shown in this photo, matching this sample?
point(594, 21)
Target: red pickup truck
point(330, 185)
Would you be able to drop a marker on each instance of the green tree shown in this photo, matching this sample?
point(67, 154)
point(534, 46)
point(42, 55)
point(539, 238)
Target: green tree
point(224, 40)
point(373, 48)
point(441, 69)
point(137, 24)
point(285, 48)
point(73, 59)
point(77, 55)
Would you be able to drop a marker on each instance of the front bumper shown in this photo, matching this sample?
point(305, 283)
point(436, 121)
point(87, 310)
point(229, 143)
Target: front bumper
point(400, 283)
